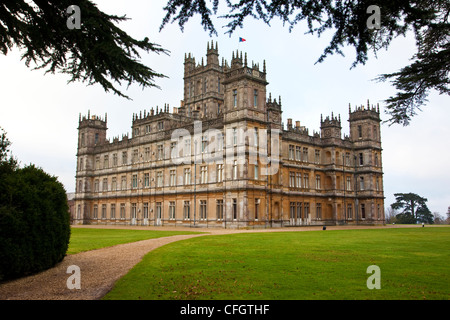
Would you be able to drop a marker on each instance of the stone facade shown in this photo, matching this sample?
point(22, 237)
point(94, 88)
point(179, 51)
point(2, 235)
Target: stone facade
point(223, 158)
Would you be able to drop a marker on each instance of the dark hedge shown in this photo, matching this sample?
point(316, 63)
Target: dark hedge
point(34, 221)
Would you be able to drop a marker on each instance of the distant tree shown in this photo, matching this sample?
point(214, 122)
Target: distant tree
point(438, 218)
point(98, 52)
point(429, 20)
point(448, 215)
point(414, 208)
point(390, 215)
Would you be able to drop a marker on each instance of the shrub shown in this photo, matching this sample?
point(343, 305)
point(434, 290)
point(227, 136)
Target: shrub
point(34, 221)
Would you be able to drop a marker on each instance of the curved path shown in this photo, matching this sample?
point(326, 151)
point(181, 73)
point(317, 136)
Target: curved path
point(101, 268)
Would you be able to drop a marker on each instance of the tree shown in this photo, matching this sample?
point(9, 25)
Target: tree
point(353, 26)
point(34, 218)
point(98, 52)
point(448, 215)
point(414, 208)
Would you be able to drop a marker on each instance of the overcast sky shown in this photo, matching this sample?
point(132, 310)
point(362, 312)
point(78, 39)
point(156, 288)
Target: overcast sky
point(40, 112)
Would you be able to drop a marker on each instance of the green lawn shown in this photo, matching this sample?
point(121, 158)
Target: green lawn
point(85, 239)
point(414, 264)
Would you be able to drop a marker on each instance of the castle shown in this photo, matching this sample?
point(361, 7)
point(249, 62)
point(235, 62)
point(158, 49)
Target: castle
point(223, 158)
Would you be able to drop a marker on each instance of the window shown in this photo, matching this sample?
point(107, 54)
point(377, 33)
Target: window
point(291, 152)
point(159, 179)
point(347, 159)
point(105, 184)
point(376, 159)
point(115, 161)
point(363, 211)
point(187, 210)
point(202, 209)
point(377, 184)
point(173, 178)
point(171, 210)
point(187, 176)
point(96, 185)
point(306, 180)
point(160, 125)
point(103, 211)
point(255, 98)
point(349, 211)
point(83, 140)
point(317, 156)
point(105, 162)
point(306, 211)
point(136, 131)
point(234, 136)
point(135, 157)
point(146, 180)
point(361, 159)
point(256, 172)
point(114, 184)
point(134, 181)
point(298, 177)
point(234, 209)
point(298, 153)
point(95, 214)
point(291, 179)
point(147, 153)
point(133, 211)
point(349, 183)
point(235, 98)
point(97, 163)
point(124, 158)
point(122, 211)
point(158, 210)
point(205, 83)
point(292, 210)
point(374, 132)
point(96, 138)
point(123, 185)
point(299, 210)
point(318, 184)
point(218, 84)
point(112, 211)
point(220, 142)
point(204, 144)
point(145, 210)
point(378, 212)
point(319, 211)
point(148, 129)
point(255, 137)
point(219, 209)
point(173, 150)
point(203, 174)
point(187, 147)
point(305, 154)
point(219, 172)
point(234, 169)
point(257, 201)
point(359, 132)
point(361, 183)
point(159, 154)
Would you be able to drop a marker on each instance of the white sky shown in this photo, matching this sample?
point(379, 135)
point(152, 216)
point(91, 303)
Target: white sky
point(40, 112)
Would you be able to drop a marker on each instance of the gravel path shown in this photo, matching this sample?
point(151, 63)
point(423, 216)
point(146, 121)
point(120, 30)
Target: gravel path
point(101, 268)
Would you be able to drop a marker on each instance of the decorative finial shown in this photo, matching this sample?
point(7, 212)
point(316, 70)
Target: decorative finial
point(245, 59)
point(264, 66)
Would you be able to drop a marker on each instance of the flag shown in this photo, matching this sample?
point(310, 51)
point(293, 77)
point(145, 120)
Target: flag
point(241, 39)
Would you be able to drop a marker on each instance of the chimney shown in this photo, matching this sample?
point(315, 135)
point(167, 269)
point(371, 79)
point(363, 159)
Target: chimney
point(289, 124)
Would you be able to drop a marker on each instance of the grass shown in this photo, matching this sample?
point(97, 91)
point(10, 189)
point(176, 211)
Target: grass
point(85, 239)
point(414, 264)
